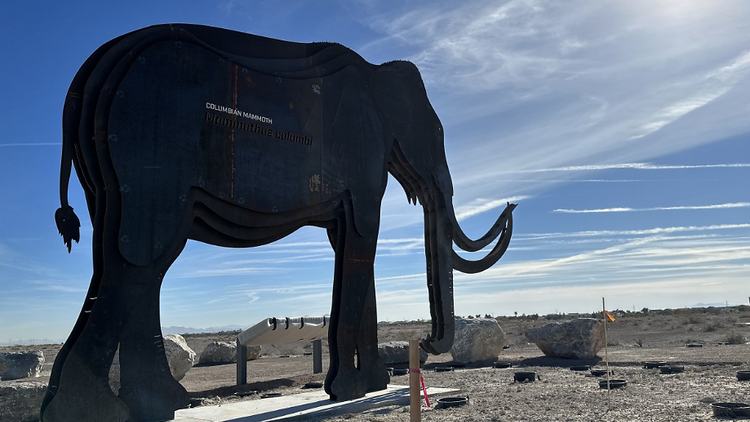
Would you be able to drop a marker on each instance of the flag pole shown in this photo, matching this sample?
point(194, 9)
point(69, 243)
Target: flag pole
point(606, 354)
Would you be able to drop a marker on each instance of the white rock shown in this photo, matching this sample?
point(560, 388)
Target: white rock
point(477, 340)
point(21, 400)
point(21, 365)
point(398, 352)
point(575, 339)
point(179, 355)
point(219, 352)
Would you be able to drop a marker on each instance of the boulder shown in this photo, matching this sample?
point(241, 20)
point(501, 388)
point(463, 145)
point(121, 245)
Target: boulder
point(575, 339)
point(179, 355)
point(477, 340)
point(398, 352)
point(17, 365)
point(21, 400)
point(218, 352)
point(253, 352)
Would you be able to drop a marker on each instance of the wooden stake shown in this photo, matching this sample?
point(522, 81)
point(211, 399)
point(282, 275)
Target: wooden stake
point(415, 405)
point(606, 355)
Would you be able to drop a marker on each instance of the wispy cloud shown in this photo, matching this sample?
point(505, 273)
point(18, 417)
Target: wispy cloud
point(644, 259)
point(652, 231)
point(632, 166)
point(710, 87)
point(480, 42)
point(228, 272)
point(481, 205)
point(677, 208)
point(550, 85)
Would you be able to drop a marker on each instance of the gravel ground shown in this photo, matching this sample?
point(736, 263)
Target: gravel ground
point(559, 394)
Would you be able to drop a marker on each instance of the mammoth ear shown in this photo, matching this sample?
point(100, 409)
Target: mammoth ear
point(392, 98)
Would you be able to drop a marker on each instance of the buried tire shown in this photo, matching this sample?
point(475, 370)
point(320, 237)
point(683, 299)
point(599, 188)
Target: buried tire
point(731, 410)
point(671, 369)
point(525, 377)
point(447, 402)
point(613, 384)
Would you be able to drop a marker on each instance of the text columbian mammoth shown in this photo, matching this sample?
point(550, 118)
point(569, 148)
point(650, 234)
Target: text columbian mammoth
point(181, 132)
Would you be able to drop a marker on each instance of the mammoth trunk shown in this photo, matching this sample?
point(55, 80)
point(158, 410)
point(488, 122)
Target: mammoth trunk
point(438, 250)
point(434, 192)
point(441, 232)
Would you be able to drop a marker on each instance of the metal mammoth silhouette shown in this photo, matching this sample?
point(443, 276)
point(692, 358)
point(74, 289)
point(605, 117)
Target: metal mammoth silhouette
point(181, 132)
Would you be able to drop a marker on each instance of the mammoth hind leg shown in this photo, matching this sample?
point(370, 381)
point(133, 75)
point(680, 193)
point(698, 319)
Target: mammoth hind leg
point(79, 384)
point(146, 384)
point(82, 392)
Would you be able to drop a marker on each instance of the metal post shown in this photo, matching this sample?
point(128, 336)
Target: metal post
point(241, 363)
point(317, 356)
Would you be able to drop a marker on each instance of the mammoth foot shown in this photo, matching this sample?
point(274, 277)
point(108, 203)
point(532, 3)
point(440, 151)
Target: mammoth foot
point(82, 398)
point(377, 376)
point(353, 384)
point(154, 399)
point(347, 385)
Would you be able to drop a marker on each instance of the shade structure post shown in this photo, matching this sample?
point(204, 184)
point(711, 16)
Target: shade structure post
point(241, 363)
point(317, 356)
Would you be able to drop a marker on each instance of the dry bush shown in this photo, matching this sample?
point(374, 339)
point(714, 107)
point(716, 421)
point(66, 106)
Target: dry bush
point(713, 326)
point(734, 338)
point(694, 319)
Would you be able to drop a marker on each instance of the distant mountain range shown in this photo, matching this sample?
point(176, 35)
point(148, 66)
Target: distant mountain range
point(191, 330)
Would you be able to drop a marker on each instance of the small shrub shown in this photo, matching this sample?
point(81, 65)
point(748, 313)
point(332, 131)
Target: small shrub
point(713, 327)
point(694, 319)
point(734, 338)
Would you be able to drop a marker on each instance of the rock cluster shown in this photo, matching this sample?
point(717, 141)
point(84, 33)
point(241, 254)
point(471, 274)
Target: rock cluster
point(575, 339)
point(218, 352)
point(21, 365)
point(392, 352)
point(21, 400)
point(477, 340)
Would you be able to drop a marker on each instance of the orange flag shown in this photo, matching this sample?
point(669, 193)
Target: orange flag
point(610, 316)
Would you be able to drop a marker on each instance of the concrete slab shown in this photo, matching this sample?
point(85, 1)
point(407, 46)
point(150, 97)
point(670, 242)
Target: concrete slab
point(297, 406)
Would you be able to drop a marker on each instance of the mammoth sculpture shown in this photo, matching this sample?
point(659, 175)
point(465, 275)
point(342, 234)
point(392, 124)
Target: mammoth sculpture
point(181, 132)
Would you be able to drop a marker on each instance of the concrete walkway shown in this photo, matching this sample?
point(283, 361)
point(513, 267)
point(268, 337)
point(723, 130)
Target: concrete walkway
point(301, 406)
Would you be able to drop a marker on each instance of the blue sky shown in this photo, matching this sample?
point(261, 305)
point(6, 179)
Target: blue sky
point(621, 128)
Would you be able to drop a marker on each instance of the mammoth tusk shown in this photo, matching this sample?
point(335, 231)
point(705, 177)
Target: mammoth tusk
point(468, 245)
point(472, 267)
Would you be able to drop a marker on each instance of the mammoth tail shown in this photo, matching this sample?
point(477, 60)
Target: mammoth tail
point(67, 222)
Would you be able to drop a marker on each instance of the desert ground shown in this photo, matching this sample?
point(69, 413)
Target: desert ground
point(560, 394)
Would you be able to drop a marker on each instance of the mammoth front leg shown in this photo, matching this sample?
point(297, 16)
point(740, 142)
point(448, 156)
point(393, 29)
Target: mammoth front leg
point(356, 367)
